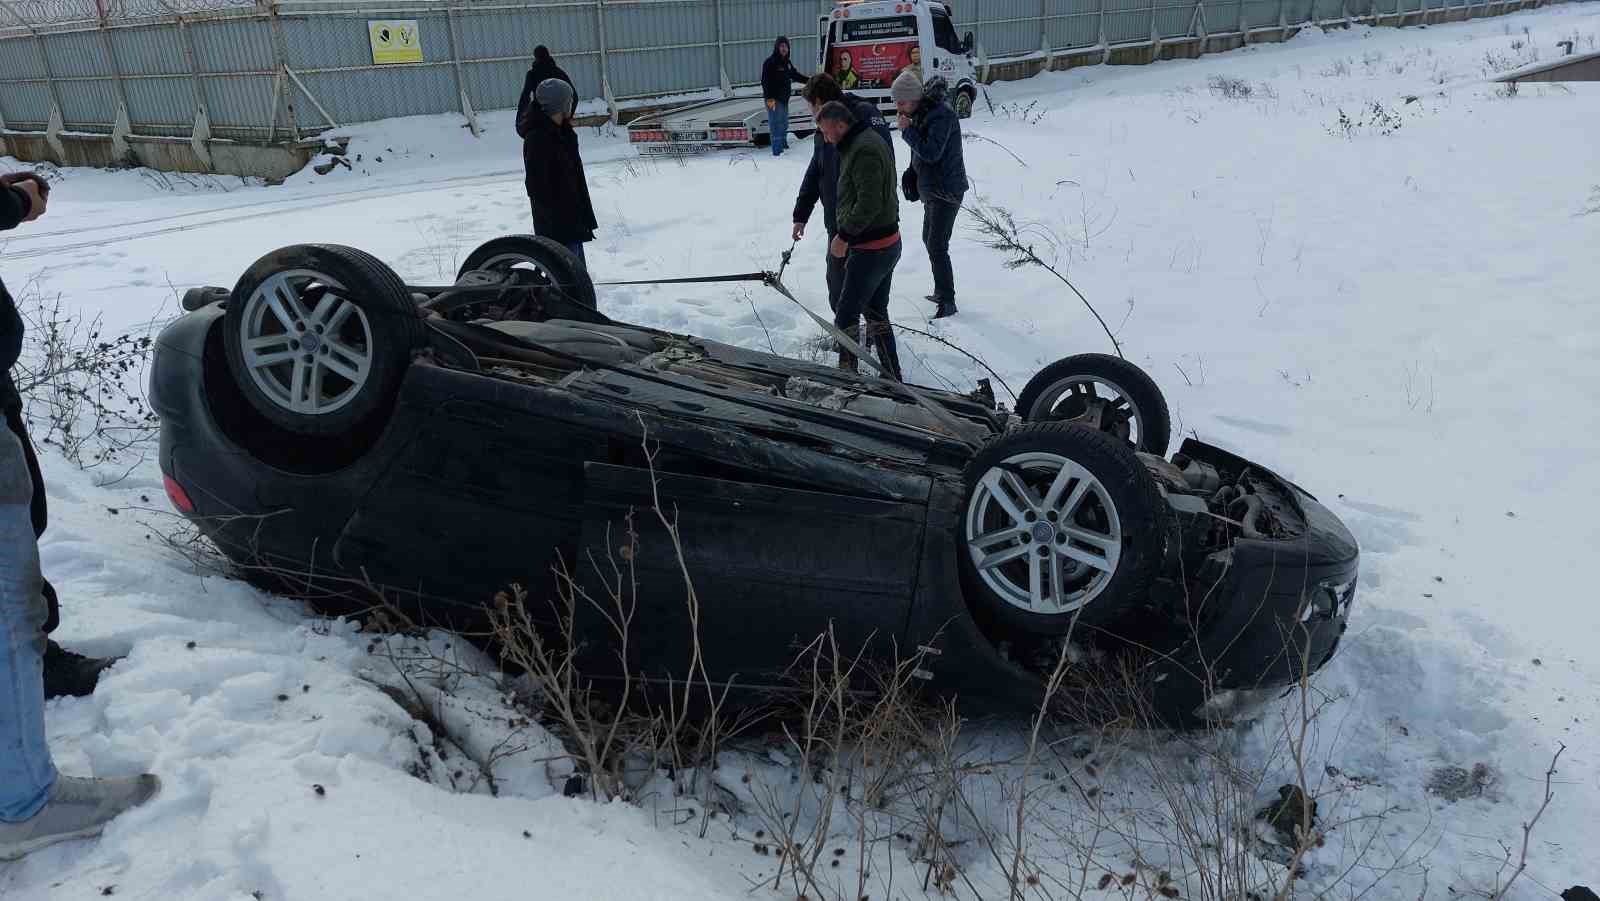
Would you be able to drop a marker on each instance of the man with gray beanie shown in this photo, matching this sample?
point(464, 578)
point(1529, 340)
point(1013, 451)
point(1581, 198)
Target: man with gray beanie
point(930, 127)
point(557, 189)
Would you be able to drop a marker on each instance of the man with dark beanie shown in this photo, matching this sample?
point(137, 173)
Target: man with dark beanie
point(544, 67)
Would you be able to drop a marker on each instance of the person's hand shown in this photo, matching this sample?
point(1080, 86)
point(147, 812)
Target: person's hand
point(38, 194)
point(799, 230)
point(838, 248)
point(903, 120)
point(772, 105)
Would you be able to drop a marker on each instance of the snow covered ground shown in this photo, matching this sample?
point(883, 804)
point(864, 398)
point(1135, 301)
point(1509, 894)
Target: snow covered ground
point(1350, 256)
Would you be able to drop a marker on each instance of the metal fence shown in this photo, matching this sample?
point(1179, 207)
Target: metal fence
point(283, 69)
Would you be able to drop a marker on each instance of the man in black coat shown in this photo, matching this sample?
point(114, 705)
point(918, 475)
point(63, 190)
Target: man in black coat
point(777, 74)
point(544, 67)
point(65, 673)
point(557, 189)
point(930, 127)
point(821, 180)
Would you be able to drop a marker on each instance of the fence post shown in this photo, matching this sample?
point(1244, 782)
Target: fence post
point(722, 51)
point(1155, 33)
point(605, 64)
point(121, 126)
point(281, 92)
point(455, 67)
point(1105, 42)
point(200, 137)
point(1283, 20)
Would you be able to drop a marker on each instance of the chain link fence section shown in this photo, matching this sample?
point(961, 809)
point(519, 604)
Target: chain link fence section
point(265, 71)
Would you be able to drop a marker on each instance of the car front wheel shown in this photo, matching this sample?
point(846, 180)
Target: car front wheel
point(1102, 392)
point(1063, 525)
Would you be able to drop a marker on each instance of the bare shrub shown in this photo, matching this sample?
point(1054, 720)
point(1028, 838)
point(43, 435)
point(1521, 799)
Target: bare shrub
point(82, 389)
point(1229, 88)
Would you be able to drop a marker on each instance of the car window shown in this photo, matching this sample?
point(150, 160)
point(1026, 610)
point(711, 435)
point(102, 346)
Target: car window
point(944, 34)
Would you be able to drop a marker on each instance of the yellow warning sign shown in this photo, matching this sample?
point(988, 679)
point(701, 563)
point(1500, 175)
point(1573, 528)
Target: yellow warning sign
point(395, 41)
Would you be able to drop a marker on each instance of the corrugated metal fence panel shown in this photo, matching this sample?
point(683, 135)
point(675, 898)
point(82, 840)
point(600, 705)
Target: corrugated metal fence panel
point(87, 105)
point(749, 28)
point(1325, 10)
point(1174, 20)
point(1298, 11)
point(77, 54)
point(19, 58)
point(1127, 21)
point(233, 45)
point(166, 104)
point(661, 47)
point(1009, 26)
point(238, 104)
point(1222, 16)
point(26, 104)
point(1072, 23)
point(149, 50)
point(1260, 13)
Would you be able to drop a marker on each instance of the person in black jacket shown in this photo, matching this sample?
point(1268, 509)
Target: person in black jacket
point(777, 73)
point(821, 180)
point(544, 67)
point(557, 189)
point(65, 673)
point(38, 806)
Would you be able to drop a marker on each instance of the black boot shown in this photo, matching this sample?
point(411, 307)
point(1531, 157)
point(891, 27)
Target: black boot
point(71, 675)
point(881, 334)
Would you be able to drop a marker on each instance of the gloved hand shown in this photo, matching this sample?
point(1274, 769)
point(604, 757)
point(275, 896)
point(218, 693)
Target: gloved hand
point(908, 185)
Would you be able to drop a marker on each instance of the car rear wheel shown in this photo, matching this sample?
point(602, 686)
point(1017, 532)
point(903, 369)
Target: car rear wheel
point(1102, 392)
point(318, 337)
point(1063, 524)
point(545, 260)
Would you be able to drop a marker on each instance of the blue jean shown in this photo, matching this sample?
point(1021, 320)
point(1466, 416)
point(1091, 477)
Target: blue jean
point(778, 122)
point(26, 772)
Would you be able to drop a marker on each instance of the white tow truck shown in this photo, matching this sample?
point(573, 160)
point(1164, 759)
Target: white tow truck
point(864, 44)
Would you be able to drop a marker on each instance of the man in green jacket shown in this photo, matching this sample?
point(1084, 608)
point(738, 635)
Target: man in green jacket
point(868, 239)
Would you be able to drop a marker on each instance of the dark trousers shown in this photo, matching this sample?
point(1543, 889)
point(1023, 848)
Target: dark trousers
point(835, 275)
point(938, 223)
point(39, 510)
point(577, 250)
point(864, 293)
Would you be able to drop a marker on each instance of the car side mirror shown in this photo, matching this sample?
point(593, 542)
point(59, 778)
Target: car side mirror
point(966, 43)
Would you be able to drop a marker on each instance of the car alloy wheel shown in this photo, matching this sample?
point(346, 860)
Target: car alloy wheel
point(1096, 402)
point(304, 345)
point(1043, 533)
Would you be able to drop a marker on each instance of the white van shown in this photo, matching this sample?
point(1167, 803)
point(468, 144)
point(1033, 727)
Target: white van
point(866, 44)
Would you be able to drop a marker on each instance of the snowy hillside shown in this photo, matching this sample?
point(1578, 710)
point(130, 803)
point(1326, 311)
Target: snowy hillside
point(1351, 257)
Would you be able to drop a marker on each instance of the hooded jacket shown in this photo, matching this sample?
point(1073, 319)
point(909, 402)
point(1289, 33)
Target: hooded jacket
point(562, 210)
point(14, 207)
point(543, 67)
point(822, 176)
point(869, 201)
point(778, 72)
point(934, 137)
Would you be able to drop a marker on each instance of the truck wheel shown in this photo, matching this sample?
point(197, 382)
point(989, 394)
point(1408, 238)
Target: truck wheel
point(1063, 525)
point(547, 261)
point(1103, 392)
point(318, 337)
point(965, 98)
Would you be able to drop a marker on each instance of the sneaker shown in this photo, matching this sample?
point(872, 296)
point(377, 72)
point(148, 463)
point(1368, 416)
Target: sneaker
point(77, 808)
point(67, 674)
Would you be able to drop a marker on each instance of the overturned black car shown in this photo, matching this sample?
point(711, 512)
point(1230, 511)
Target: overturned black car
point(325, 423)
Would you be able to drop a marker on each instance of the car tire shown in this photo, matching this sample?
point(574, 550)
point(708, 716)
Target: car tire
point(964, 100)
point(1092, 504)
point(1048, 397)
point(548, 259)
point(316, 362)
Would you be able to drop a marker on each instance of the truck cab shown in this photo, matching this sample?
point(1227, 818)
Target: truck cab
point(866, 44)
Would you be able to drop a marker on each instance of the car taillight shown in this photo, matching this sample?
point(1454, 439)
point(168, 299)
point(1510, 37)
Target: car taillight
point(732, 134)
point(177, 495)
point(643, 137)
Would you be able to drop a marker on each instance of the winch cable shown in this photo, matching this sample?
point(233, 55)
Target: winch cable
point(774, 280)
